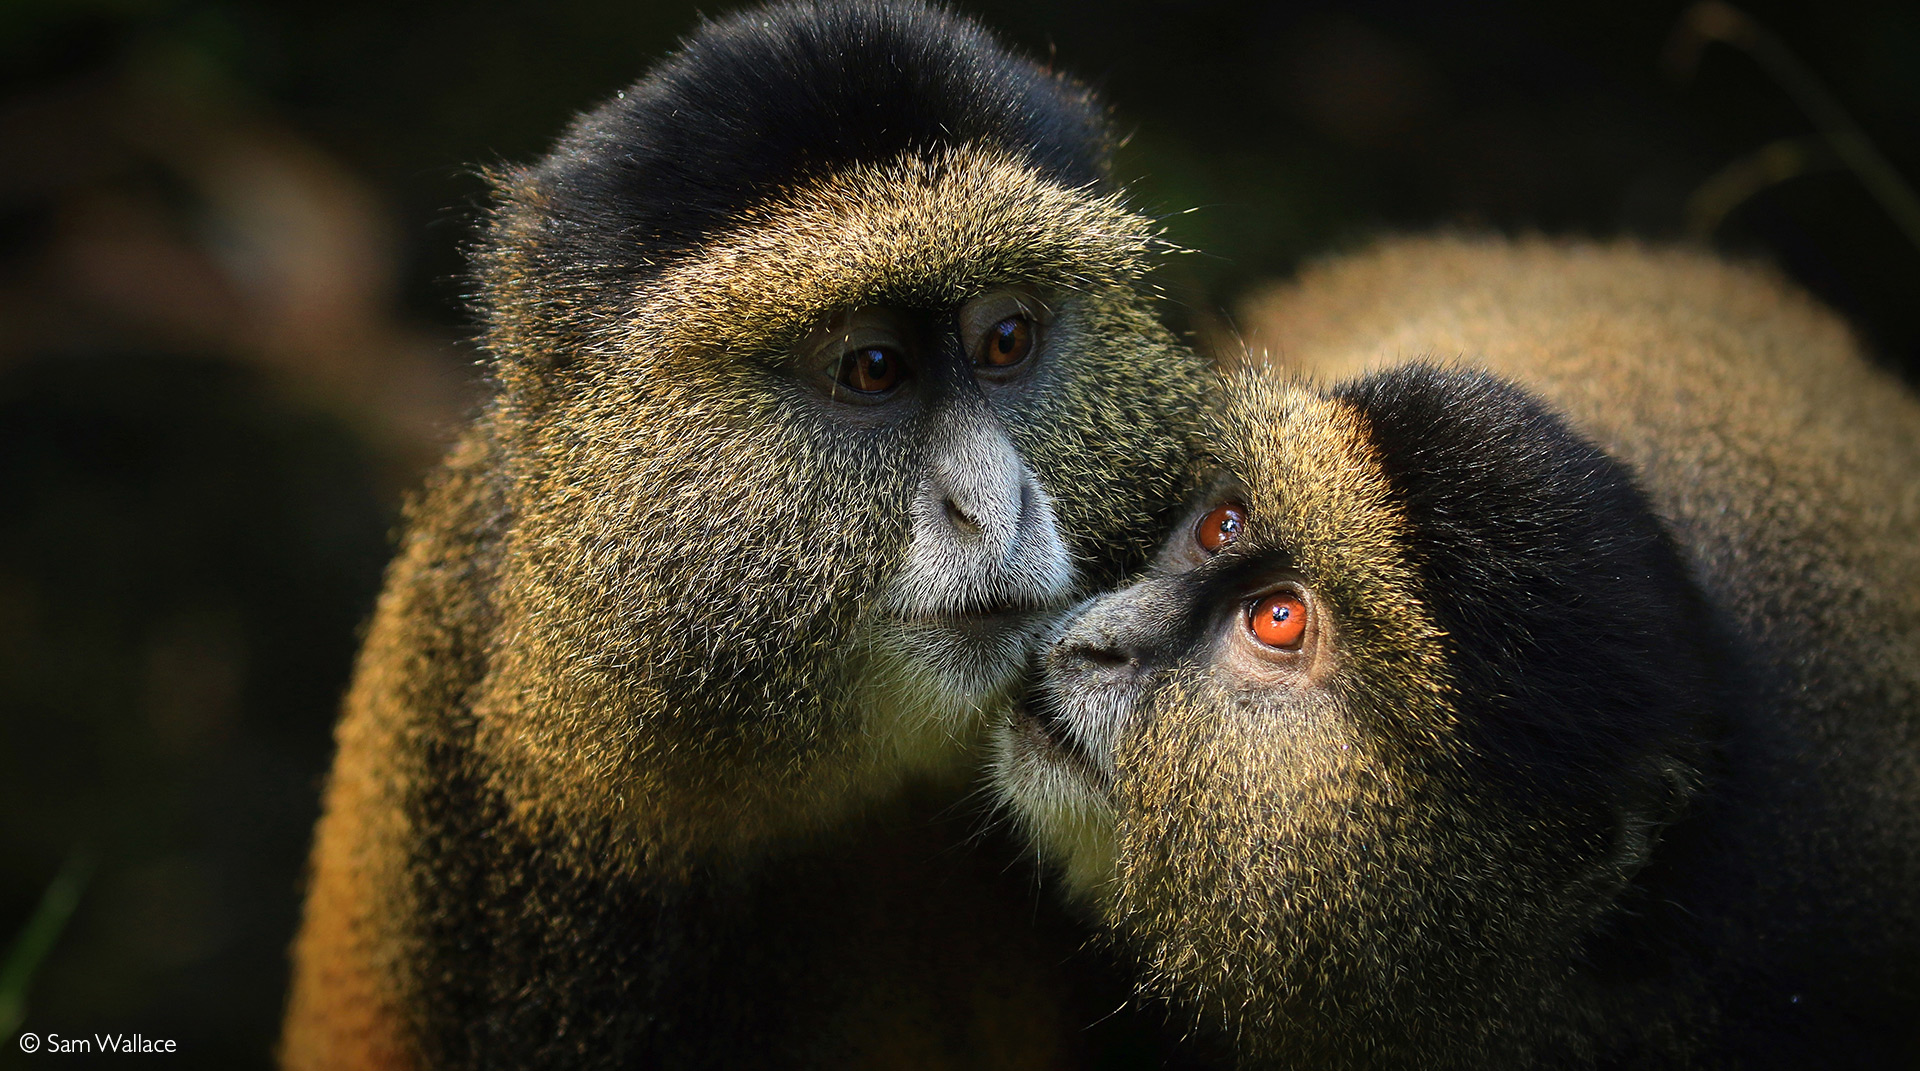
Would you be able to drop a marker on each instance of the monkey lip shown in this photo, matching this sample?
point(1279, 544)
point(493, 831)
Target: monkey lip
point(1051, 741)
point(979, 619)
point(976, 651)
point(983, 622)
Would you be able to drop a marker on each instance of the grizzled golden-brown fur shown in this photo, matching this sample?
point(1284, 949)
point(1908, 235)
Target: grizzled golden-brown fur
point(354, 987)
point(920, 231)
point(653, 752)
point(1609, 753)
point(1782, 458)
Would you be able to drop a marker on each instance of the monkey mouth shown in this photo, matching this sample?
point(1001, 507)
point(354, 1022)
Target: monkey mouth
point(1046, 734)
point(978, 650)
point(986, 619)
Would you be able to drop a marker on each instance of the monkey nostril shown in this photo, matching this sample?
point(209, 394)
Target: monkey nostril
point(957, 517)
point(1103, 656)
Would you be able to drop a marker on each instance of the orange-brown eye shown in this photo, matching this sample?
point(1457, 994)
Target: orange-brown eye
point(1221, 526)
point(869, 371)
point(1008, 342)
point(1279, 620)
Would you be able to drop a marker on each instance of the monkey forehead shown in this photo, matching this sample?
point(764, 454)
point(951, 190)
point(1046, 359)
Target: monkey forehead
point(1319, 497)
point(923, 231)
point(1315, 484)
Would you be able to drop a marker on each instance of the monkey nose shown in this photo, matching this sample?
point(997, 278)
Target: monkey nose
point(1097, 655)
point(984, 536)
point(1110, 657)
point(980, 499)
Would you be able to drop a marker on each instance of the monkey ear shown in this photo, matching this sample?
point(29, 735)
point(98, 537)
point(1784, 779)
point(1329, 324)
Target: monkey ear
point(1653, 800)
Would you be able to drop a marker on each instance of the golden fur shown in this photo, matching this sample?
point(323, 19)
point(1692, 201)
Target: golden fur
point(1609, 752)
point(641, 612)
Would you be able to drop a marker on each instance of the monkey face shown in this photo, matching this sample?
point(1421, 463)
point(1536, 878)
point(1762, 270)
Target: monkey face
point(1236, 608)
point(984, 554)
point(827, 476)
point(1401, 705)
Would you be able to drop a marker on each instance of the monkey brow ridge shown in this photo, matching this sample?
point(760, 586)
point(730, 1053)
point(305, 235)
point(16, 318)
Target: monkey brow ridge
point(926, 230)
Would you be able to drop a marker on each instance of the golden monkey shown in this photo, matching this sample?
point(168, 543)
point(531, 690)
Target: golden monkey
point(825, 368)
point(1558, 706)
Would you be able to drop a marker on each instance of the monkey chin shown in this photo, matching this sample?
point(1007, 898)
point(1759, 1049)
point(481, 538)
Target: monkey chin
point(1060, 798)
point(935, 681)
point(960, 625)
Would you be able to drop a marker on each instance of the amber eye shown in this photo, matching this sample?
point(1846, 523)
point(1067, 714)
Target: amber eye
point(870, 370)
point(1221, 526)
point(1279, 620)
point(1007, 343)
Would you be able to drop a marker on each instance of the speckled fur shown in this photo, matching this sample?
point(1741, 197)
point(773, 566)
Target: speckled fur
point(633, 771)
point(1618, 762)
point(806, 504)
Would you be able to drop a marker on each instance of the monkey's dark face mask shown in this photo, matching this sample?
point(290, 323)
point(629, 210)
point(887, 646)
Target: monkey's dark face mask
point(827, 476)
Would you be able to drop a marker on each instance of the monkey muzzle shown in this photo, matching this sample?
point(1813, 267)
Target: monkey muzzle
point(985, 561)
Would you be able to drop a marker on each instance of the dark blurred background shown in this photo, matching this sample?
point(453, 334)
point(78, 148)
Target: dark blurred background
point(232, 337)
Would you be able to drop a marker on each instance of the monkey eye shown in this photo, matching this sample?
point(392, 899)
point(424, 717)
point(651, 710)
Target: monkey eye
point(861, 356)
point(1007, 342)
point(1279, 620)
point(1220, 527)
point(1001, 332)
point(869, 370)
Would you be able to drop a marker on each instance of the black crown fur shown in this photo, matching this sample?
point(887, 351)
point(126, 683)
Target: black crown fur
point(766, 98)
point(1575, 630)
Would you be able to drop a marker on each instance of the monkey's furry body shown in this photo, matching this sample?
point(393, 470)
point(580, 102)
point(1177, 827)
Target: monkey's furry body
point(1600, 746)
point(651, 751)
